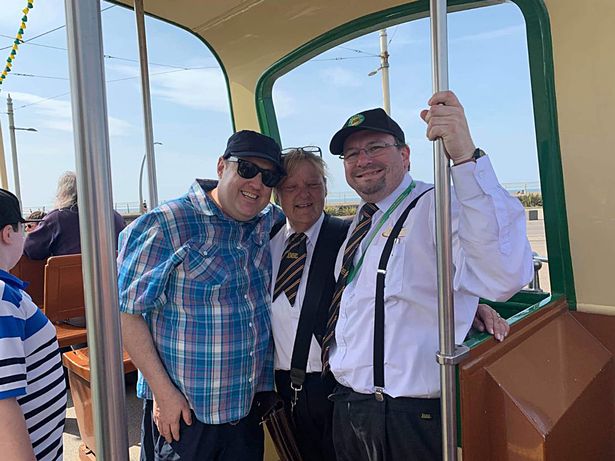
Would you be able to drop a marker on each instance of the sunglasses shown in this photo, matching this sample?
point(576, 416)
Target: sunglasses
point(248, 170)
point(305, 149)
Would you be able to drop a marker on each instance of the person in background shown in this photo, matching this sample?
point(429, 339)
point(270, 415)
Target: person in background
point(58, 233)
point(32, 385)
point(35, 216)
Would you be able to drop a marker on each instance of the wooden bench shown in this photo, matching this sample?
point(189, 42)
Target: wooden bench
point(78, 365)
point(63, 298)
point(33, 272)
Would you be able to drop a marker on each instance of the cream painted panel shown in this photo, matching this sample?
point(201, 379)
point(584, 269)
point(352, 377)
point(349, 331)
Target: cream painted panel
point(583, 38)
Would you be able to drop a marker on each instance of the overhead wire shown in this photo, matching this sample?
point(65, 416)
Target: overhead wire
point(119, 58)
point(50, 31)
point(393, 35)
point(356, 50)
point(107, 81)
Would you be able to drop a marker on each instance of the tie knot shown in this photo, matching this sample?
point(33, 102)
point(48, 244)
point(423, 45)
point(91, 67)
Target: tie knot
point(368, 210)
point(297, 237)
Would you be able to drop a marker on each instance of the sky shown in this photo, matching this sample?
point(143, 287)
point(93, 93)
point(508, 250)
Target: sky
point(488, 69)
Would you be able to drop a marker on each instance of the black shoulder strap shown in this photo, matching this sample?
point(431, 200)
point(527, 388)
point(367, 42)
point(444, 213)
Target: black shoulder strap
point(330, 238)
point(379, 311)
point(276, 228)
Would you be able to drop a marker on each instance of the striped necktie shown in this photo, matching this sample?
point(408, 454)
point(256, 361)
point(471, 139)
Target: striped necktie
point(359, 232)
point(291, 268)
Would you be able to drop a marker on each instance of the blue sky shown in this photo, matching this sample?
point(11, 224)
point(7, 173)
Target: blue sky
point(488, 70)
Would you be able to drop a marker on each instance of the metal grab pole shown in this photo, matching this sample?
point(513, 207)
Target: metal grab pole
point(4, 181)
point(147, 107)
point(87, 77)
point(447, 355)
point(384, 66)
point(9, 109)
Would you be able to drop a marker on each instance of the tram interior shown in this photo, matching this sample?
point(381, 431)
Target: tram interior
point(530, 396)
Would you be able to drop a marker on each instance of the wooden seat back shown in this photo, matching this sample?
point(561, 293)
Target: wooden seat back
point(63, 297)
point(33, 272)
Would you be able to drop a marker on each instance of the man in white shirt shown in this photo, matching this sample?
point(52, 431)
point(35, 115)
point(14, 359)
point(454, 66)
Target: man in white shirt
point(399, 417)
point(303, 251)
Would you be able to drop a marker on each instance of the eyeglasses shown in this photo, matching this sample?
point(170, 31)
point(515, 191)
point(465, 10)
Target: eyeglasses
point(249, 170)
point(305, 149)
point(373, 150)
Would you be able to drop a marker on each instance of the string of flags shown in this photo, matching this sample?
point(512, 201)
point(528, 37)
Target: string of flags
point(17, 42)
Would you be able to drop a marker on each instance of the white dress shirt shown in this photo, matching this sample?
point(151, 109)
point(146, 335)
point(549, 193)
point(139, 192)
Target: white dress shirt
point(491, 258)
point(284, 317)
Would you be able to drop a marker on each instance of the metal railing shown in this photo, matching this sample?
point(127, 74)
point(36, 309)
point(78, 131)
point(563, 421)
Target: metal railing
point(538, 262)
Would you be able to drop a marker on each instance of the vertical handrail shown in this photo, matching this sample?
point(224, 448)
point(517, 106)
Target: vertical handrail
point(147, 107)
point(442, 175)
point(91, 133)
point(4, 180)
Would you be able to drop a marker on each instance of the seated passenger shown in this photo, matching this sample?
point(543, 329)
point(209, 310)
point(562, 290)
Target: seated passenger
point(32, 388)
point(58, 232)
point(36, 217)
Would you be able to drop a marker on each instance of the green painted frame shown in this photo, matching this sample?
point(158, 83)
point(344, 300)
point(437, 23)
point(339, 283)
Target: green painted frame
point(538, 31)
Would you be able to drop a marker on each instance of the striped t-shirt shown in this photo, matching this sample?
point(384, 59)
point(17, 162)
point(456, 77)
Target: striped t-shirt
point(30, 367)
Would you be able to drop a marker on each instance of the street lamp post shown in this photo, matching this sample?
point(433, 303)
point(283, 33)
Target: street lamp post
point(384, 68)
point(141, 207)
point(12, 129)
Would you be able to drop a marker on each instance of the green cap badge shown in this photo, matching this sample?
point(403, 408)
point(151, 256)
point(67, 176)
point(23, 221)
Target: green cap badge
point(355, 120)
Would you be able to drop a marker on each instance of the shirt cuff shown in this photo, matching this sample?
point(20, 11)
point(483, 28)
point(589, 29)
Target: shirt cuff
point(12, 393)
point(474, 178)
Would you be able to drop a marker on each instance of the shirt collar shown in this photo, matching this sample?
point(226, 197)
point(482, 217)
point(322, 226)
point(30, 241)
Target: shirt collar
point(10, 279)
point(311, 234)
point(386, 202)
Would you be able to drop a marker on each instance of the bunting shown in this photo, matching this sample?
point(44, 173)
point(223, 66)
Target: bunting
point(17, 42)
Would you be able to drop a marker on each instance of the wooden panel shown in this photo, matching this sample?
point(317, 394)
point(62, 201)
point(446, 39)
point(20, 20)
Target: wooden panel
point(546, 393)
point(33, 272)
point(78, 364)
point(601, 326)
point(64, 288)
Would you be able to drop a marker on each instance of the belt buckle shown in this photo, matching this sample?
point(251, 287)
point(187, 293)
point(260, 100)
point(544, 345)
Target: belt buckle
point(379, 394)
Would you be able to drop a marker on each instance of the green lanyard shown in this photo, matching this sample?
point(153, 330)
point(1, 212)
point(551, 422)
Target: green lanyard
point(383, 219)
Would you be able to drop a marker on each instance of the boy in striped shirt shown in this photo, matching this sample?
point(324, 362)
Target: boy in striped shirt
point(32, 387)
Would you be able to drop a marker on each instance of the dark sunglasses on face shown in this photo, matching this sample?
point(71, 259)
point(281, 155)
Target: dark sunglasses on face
point(248, 170)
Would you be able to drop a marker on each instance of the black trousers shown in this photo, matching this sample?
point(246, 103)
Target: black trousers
point(243, 440)
point(404, 429)
point(312, 414)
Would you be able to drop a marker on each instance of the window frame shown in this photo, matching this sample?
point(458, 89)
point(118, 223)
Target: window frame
point(540, 56)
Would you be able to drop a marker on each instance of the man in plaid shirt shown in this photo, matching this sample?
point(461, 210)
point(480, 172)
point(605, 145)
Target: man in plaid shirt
point(194, 282)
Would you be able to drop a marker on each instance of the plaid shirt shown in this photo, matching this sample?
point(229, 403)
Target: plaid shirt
point(202, 280)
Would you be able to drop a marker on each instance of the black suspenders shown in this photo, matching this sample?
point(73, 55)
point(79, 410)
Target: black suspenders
point(379, 306)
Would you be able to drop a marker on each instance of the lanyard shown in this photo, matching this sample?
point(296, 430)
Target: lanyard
point(383, 219)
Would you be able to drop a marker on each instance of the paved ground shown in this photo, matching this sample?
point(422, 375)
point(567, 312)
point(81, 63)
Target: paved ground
point(536, 236)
